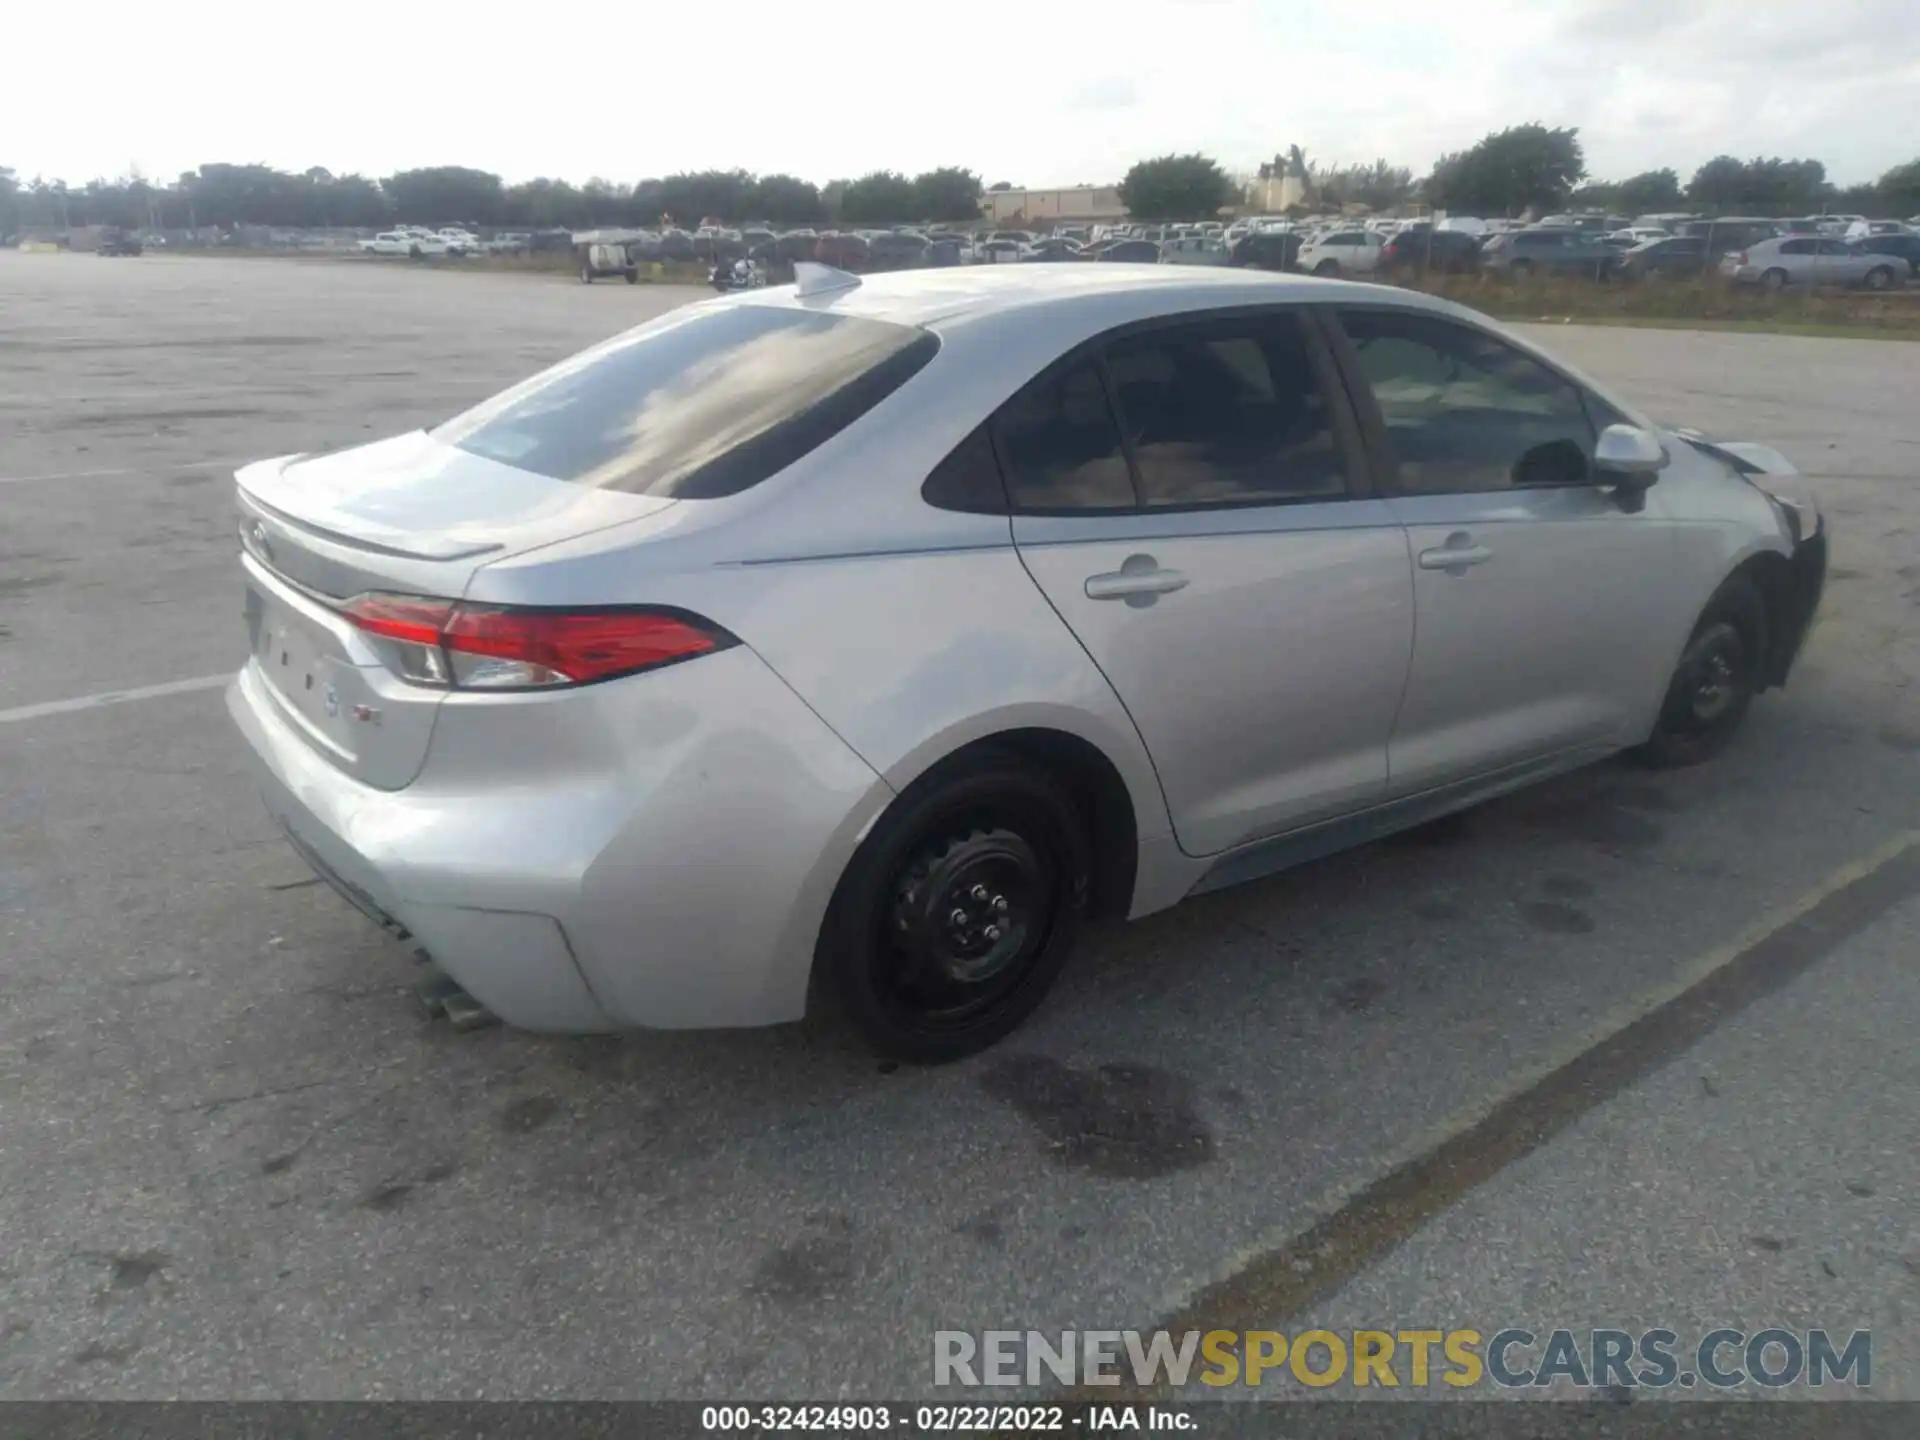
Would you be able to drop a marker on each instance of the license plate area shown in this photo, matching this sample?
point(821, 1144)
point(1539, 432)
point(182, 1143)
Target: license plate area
point(299, 659)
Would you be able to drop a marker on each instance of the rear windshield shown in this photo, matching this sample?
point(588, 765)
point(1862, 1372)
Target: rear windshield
point(697, 405)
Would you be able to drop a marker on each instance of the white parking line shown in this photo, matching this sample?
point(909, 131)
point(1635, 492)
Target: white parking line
point(113, 697)
point(122, 470)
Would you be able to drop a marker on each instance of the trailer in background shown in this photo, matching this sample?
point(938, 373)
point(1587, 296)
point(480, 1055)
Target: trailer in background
point(604, 253)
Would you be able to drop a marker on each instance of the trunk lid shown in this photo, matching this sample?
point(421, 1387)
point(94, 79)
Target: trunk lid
point(408, 516)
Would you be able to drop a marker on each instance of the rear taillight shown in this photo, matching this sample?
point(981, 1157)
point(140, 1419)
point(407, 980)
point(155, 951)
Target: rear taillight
point(1740, 258)
point(491, 647)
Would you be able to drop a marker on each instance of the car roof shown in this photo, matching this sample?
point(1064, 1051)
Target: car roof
point(1088, 299)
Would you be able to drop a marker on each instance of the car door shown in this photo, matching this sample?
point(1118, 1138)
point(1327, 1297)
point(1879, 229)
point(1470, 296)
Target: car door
point(1190, 497)
point(1536, 590)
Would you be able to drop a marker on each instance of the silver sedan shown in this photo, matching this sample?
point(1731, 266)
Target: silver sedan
point(857, 641)
point(1811, 260)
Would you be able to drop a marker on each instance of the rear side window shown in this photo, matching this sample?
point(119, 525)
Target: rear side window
point(1799, 247)
point(697, 405)
point(1060, 447)
point(1224, 413)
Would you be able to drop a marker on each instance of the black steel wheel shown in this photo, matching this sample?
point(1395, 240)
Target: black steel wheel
point(1714, 683)
point(959, 910)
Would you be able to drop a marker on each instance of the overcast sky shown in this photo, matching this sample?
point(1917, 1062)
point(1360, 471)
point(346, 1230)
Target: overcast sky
point(1046, 92)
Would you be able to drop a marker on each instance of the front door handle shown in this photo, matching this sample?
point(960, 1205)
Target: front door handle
point(1139, 578)
point(1457, 556)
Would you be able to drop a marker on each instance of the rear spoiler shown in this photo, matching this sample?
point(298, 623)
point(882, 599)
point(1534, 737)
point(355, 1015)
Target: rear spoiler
point(264, 487)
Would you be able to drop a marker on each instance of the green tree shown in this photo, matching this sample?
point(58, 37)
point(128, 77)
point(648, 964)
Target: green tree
point(1650, 193)
point(1519, 168)
point(544, 204)
point(1764, 185)
point(444, 195)
point(999, 185)
point(951, 193)
point(1379, 186)
point(882, 197)
point(787, 200)
point(1900, 189)
point(1176, 187)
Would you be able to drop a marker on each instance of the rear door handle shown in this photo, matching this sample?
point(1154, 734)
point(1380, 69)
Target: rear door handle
point(1139, 577)
point(1457, 556)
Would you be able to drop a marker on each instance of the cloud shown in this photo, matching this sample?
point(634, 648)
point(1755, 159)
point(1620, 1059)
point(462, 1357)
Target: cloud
point(1072, 95)
point(1110, 92)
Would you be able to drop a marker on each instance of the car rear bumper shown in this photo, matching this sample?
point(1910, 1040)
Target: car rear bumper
point(651, 852)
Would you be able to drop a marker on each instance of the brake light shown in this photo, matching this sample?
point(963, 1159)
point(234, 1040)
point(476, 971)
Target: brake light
point(1741, 258)
point(493, 647)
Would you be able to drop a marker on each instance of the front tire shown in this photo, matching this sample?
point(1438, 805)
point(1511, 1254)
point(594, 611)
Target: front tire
point(1880, 278)
point(958, 911)
point(1714, 683)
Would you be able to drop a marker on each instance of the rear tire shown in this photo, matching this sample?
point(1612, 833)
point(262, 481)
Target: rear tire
point(1327, 267)
point(633, 275)
point(1881, 277)
point(1714, 683)
point(1774, 280)
point(586, 274)
point(958, 911)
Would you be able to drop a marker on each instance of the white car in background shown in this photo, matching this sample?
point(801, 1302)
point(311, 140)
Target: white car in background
point(1352, 250)
point(1194, 250)
point(404, 242)
point(460, 242)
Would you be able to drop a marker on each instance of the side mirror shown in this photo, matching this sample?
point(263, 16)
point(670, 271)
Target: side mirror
point(1628, 455)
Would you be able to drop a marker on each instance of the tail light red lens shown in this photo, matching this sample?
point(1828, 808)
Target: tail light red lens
point(486, 647)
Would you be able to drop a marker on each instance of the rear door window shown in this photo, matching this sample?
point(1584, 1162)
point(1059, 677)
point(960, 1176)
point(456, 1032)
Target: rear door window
point(696, 405)
point(1226, 413)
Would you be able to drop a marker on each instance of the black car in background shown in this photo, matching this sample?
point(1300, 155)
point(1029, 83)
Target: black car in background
point(1267, 250)
point(1906, 246)
point(1419, 248)
point(1052, 250)
point(1677, 255)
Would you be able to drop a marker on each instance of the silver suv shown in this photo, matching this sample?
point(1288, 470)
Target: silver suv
point(857, 641)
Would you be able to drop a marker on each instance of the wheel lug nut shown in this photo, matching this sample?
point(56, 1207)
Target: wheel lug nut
point(979, 892)
point(957, 918)
point(992, 932)
point(1000, 904)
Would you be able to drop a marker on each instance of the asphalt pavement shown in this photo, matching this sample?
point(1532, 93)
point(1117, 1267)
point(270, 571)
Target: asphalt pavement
point(235, 1161)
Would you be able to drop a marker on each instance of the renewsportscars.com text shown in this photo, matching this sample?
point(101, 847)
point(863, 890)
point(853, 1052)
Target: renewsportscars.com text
point(1513, 1358)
